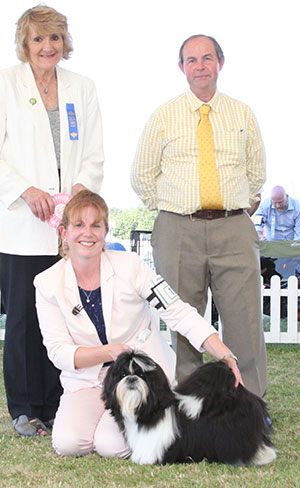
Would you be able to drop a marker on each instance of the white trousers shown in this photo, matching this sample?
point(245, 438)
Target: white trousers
point(82, 425)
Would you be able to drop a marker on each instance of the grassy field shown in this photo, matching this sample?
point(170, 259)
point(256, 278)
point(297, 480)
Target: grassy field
point(30, 462)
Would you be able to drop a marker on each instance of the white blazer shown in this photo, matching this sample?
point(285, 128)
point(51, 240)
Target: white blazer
point(126, 283)
point(27, 155)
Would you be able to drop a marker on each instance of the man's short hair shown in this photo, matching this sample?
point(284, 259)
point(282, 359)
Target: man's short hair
point(219, 52)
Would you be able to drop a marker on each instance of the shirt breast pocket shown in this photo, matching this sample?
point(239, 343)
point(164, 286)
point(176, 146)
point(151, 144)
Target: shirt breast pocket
point(231, 146)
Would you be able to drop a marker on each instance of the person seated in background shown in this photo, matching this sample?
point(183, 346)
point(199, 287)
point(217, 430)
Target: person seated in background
point(94, 304)
point(278, 217)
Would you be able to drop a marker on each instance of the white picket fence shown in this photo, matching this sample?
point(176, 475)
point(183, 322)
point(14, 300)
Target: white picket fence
point(2, 330)
point(282, 331)
point(275, 335)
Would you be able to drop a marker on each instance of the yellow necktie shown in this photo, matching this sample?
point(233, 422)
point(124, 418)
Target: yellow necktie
point(210, 194)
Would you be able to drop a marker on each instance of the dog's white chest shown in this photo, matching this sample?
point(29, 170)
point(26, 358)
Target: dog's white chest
point(149, 445)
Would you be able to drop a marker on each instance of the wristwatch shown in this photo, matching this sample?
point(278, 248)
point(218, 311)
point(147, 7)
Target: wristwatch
point(230, 355)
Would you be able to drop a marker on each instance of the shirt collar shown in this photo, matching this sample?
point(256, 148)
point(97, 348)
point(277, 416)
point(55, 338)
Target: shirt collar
point(195, 102)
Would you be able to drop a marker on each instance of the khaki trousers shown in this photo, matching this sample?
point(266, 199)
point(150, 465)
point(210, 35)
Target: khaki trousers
point(222, 254)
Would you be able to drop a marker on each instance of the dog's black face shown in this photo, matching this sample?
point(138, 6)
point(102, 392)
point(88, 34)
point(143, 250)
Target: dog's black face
point(136, 388)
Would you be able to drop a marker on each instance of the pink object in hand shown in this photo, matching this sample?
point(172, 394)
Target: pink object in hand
point(60, 200)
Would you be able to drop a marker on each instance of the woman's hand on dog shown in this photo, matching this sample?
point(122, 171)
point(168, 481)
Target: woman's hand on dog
point(232, 364)
point(86, 357)
point(215, 346)
point(115, 349)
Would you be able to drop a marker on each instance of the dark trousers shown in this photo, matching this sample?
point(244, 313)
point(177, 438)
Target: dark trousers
point(31, 380)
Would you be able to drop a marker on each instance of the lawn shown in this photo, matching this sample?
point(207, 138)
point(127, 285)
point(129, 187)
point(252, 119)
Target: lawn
point(30, 462)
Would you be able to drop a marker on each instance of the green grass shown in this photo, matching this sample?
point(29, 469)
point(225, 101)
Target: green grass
point(30, 462)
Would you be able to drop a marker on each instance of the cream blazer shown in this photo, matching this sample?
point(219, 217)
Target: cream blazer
point(125, 285)
point(27, 155)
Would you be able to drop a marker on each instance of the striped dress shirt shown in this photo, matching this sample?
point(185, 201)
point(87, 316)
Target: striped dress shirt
point(165, 172)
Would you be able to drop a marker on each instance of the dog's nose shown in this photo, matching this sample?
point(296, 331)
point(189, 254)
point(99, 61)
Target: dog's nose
point(132, 379)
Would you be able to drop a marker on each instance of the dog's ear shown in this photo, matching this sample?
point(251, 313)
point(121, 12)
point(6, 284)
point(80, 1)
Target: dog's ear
point(108, 389)
point(152, 411)
point(160, 395)
point(113, 376)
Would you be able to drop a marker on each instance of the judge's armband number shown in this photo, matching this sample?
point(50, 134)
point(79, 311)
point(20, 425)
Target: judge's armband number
point(162, 294)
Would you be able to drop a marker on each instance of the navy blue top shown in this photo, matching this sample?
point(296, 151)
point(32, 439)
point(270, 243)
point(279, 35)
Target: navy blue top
point(92, 304)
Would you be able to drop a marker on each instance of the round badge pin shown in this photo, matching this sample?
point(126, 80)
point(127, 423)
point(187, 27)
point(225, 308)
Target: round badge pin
point(60, 200)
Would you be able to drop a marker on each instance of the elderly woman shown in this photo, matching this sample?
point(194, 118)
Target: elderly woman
point(93, 305)
point(50, 142)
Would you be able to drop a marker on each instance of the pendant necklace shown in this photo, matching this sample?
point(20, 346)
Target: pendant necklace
point(87, 295)
point(46, 89)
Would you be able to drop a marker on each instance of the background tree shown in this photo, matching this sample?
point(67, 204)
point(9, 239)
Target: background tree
point(123, 221)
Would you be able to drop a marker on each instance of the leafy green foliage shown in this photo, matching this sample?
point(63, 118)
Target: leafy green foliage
point(122, 221)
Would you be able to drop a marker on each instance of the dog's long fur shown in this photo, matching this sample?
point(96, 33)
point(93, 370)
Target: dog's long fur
point(206, 417)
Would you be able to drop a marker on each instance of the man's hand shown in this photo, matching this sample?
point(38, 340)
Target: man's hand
point(40, 203)
point(261, 236)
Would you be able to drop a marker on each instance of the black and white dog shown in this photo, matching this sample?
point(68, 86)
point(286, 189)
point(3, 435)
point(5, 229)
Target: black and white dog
point(206, 417)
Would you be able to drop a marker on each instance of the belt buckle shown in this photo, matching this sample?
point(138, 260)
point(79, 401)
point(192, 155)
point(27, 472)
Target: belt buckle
point(194, 218)
point(209, 214)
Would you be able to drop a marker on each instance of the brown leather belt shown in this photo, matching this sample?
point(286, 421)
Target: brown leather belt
point(214, 214)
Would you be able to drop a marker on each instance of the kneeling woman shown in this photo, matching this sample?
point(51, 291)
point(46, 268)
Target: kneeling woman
point(94, 304)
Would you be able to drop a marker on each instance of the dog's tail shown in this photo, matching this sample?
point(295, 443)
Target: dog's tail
point(264, 455)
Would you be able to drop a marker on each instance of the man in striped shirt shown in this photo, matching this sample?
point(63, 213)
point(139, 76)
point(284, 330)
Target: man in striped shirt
point(196, 248)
